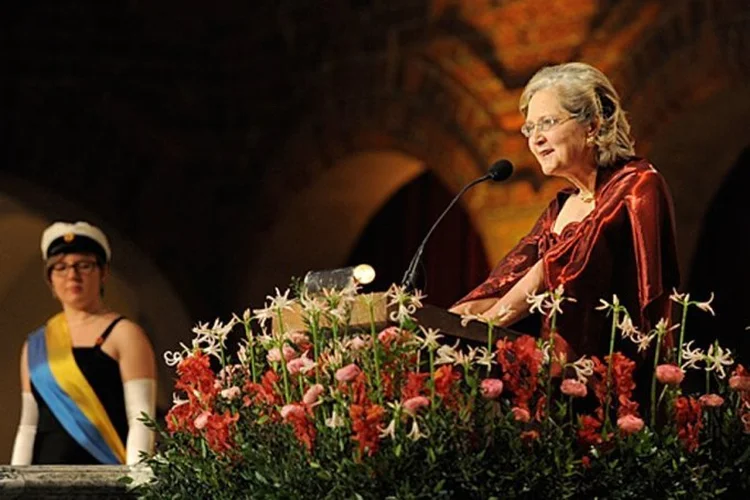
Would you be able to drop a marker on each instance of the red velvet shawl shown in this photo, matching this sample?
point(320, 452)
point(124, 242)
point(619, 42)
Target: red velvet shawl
point(625, 246)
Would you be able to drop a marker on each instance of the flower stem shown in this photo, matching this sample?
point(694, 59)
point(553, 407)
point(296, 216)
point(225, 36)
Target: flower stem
point(682, 332)
point(314, 321)
point(287, 396)
point(653, 381)
point(432, 378)
point(553, 329)
point(490, 327)
point(708, 382)
point(375, 351)
point(251, 354)
point(615, 316)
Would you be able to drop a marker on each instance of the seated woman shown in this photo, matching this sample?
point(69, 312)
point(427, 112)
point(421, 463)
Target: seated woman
point(611, 233)
point(89, 373)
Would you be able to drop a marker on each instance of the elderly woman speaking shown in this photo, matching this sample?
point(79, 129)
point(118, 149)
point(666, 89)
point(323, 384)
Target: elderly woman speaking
point(612, 232)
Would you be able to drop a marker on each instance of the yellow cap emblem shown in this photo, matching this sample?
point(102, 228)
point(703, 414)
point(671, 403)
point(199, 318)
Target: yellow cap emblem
point(68, 237)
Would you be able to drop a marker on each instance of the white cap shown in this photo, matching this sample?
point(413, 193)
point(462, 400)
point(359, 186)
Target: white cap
point(81, 237)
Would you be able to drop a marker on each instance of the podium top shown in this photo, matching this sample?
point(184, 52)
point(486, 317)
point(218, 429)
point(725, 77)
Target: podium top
point(428, 316)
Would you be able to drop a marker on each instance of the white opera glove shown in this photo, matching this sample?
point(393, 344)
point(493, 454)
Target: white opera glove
point(140, 397)
point(23, 447)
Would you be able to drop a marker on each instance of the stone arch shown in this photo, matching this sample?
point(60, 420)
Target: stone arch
point(686, 90)
point(136, 288)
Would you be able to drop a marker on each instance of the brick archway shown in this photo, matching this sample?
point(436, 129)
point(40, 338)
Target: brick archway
point(363, 146)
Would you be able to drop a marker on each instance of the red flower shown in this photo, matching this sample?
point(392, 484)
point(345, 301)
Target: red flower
point(266, 393)
point(445, 385)
point(521, 414)
point(528, 436)
point(621, 384)
point(740, 381)
point(180, 418)
point(366, 420)
point(197, 379)
point(586, 462)
point(521, 361)
point(414, 385)
point(590, 431)
point(304, 428)
point(688, 419)
point(218, 431)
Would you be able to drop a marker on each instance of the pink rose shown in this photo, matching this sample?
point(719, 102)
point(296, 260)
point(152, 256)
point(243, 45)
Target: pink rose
point(521, 414)
point(274, 355)
point(301, 364)
point(201, 420)
point(298, 337)
point(230, 393)
point(289, 352)
point(745, 419)
point(491, 388)
point(411, 405)
point(739, 383)
point(357, 343)
point(389, 334)
point(312, 394)
point(669, 374)
point(711, 401)
point(347, 373)
point(292, 410)
point(574, 388)
point(629, 424)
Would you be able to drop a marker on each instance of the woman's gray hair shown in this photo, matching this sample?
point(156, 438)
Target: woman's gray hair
point(586, 93)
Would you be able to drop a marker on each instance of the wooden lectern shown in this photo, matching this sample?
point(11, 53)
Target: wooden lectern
point(428, 316)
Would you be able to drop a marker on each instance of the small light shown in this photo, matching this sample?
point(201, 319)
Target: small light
point(363, 274)
point(338, 279)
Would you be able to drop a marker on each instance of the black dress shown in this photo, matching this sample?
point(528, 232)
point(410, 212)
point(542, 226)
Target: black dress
point(53, 445)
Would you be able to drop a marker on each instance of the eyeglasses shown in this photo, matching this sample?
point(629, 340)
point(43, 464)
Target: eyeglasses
point(81, 267)
point(544, 124)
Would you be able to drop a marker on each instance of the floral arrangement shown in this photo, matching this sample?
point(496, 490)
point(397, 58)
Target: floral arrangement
point(401, 413)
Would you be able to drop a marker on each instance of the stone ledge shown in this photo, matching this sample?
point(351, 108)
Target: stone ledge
point(69, 481)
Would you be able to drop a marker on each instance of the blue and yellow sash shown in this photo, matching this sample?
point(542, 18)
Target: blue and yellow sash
point(66, 391)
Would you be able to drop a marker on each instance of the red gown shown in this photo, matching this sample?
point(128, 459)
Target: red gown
point(625, 246)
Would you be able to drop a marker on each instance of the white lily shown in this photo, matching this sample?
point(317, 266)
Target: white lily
point(717, 358)
point(415, 434)
point(604, 305)
point(335, 420)
point(537, 301)
point(584, 368)
point(431, 337)
point(446, 354)
point(706, 306)
point(691, 357)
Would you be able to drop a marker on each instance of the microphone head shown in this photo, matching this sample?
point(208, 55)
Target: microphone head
point(500, 170)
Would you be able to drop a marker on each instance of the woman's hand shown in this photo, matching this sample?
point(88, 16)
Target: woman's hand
point(475, 307)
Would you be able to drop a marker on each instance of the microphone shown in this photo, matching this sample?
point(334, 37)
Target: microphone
point(499, 171)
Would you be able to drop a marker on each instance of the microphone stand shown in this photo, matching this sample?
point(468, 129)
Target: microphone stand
point(408, 281)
